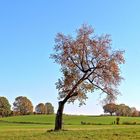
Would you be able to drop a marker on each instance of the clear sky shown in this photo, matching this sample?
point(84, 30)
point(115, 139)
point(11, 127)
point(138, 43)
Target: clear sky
point(27, 32)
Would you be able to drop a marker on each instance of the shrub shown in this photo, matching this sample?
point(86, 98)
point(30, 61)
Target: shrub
point(129, 123)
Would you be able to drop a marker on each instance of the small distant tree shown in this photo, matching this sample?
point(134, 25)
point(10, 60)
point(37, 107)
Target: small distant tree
point(49, 108)
point(138, 113)
point(5, 107)
point(87, 63)
point(134, 112)
point(123, 110)
point(110, 108)
point(23, 105)
point(41, 108)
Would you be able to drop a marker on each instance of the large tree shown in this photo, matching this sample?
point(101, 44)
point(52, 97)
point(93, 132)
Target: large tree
point(87, 63)
point(23, 105)
point(5, 107)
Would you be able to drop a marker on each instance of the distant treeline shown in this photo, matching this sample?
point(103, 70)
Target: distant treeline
point(23, 106)
point(121, 110)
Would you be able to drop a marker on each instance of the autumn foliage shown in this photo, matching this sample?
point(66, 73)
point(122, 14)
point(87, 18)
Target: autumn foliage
point(88, 63)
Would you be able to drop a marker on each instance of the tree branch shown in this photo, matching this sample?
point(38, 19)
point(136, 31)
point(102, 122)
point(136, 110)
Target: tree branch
point(99, 87)
point(70, 94)
point(75, 63)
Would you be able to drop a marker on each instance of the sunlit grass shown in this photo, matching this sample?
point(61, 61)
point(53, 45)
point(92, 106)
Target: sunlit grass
point(69, 119)
point(38, 130)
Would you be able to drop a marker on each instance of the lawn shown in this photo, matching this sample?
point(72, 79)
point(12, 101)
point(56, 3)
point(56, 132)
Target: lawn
point(35, 127)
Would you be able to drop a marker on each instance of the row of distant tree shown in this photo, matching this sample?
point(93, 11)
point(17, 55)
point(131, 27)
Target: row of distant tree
point(23, 106)
point(121, 110)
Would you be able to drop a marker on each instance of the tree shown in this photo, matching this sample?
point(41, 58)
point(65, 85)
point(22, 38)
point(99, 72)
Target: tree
point(123, 110)
point(134, 112)
point(110, 108)
point(49, 108)
point(87, 64)
point(41, 108)
point(23, 105)
point(5, 107)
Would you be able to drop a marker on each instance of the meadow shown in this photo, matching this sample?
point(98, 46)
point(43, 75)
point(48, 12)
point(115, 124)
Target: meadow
point(37, 127)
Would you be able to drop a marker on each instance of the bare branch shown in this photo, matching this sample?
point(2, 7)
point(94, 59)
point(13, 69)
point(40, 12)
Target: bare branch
point(99, 87)
point(75, 63)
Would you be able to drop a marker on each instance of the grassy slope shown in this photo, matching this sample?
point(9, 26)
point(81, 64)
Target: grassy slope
point(69, 119)
point(47, 119)
point(19, 131)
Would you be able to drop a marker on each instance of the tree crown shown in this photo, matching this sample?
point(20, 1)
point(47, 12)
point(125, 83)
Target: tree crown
point(87, 63)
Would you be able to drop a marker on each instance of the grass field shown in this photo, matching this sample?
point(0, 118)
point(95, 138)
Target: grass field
point(34, 127)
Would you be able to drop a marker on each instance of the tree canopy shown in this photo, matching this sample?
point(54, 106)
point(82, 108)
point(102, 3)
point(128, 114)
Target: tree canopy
point(49, 108)
point(123, 110)
point(110, 108)
point(23, 105)
point(87, 63)
point(5, 107)
point(41, 108)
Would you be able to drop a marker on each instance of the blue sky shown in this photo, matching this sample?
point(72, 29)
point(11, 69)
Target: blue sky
point(27, 32)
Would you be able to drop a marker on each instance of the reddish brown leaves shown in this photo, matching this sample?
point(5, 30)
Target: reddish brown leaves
point(87, 61)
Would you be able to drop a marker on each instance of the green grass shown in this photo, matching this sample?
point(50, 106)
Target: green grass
point(46, 119)
point(34, 127)
point(69, 119)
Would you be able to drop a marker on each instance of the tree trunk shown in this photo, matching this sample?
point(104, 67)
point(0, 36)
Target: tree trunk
point(58, 119)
